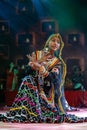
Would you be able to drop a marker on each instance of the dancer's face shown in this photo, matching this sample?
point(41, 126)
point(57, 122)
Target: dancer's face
point(54, 43)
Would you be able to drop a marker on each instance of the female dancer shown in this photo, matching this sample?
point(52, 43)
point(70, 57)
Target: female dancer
point(40, 96)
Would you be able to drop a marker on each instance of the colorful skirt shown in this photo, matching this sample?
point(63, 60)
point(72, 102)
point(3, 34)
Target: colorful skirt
point(32, 107)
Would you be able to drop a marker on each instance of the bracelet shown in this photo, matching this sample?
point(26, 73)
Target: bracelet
point(43, 71)
point(45, 74)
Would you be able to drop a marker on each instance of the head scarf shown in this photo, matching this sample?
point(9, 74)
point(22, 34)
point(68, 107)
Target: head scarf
point(57, 53)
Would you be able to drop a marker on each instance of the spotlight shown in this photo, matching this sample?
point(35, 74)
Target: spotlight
point(25, 38)
point(74, 39)
point(4, 27)
point(24, 7)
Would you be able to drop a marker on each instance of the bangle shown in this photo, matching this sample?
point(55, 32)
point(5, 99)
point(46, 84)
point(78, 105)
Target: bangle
point(45, 74)
point(43, 71)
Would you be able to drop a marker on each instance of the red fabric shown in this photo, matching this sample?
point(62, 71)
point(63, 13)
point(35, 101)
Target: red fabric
point(9, 97)
point(85, 98)
point(10, 76)
point(74, 98)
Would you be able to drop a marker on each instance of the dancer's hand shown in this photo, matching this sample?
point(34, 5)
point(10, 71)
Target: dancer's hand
point(35, 65)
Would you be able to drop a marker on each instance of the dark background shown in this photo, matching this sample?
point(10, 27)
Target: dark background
point(18, 18)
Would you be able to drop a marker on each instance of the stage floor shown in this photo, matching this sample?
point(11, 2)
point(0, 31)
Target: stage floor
point(47, 126)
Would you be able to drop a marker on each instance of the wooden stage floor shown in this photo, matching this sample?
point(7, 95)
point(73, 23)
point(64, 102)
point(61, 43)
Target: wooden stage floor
point(47, 126)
